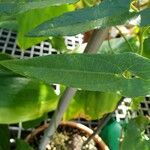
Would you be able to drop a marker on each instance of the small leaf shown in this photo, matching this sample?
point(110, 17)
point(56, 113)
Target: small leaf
point(119, 45)
point(106, 14)
point(135, 104)
point(120, 73)
point(134, 138)
point(4, 137)
point(142, 122)
point(58, 43)
point(22, 145)
point(146, 48)
point(145, 17)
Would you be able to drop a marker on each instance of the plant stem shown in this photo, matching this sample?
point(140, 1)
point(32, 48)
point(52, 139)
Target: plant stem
point(125, 39)
point(141, 39)
point(141, 44)
point(97, 38)
point(102, 122)
point(109, 44)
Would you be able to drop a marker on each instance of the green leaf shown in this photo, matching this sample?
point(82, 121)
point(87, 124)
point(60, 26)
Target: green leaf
point(4, 137)
point(34, 123)
point(134, 138)
point(145, 31)
point(23, 99)
point(15, 7)
point(10, 25)
point(120, 73)
point(142, 122)
point(119, 45)
point(29, 20)
point(106, 14)
point(4, 71)
point(5, 56)
point(91, 105)
point(7, 8)
point(146, 48)
point(135, 104)
point(58, 43)
point(145, 17)
point(42, 4)
point(22, 145)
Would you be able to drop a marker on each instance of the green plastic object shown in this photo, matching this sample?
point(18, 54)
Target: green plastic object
point(111, 134)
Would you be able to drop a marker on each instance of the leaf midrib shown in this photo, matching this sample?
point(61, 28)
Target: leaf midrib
point(116, 75)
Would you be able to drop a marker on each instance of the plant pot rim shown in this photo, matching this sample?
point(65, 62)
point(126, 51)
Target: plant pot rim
point(100, 143)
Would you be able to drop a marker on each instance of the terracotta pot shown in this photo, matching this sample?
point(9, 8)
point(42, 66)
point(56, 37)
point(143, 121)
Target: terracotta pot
point(99, 142)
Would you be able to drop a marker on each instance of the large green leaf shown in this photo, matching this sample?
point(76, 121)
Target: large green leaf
point(17, 7)
point(23, 99)
point(7, 8)
point(91, 105)
point(4, 138)
point(134, 138)
point(29, 20)
point(5, 57)
point(42, 4)
point(4, 71)
point(106, 14)
point(120, 73)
